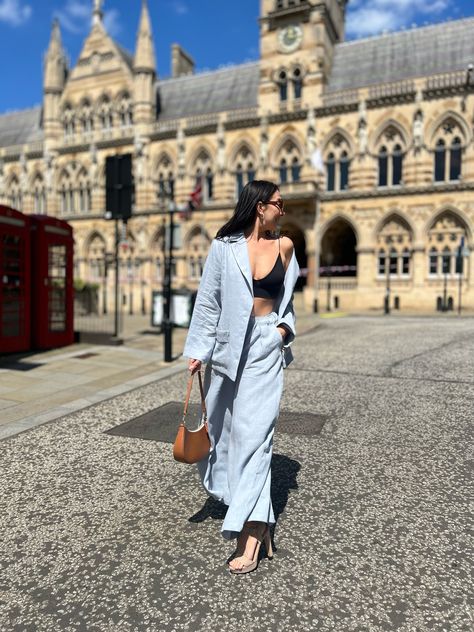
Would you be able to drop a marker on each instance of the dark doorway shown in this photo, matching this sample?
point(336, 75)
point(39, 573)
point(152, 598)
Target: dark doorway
point(338, 251)
point(297, 237)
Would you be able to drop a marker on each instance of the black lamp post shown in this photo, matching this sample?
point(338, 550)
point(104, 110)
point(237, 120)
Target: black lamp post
point(167, 289)
point(387, 284)
point(446, 265)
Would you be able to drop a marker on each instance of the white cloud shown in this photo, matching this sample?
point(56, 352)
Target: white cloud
point(180, 7)
point(76, 17)
point(112, 22)
point(14, 13)
point(370, 17)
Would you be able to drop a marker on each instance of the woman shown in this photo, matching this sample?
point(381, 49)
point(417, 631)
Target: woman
point(242, 325)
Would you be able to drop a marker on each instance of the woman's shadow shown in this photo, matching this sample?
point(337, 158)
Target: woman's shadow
point(284, 473)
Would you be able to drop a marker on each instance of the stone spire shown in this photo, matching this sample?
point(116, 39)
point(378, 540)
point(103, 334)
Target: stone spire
point(55, 67)
point(145, 50)
point(97, 14)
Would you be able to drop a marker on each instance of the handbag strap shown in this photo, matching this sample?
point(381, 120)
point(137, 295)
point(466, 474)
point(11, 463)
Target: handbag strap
point(188, 395)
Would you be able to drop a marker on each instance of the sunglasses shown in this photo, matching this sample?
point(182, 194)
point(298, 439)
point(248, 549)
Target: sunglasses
point(278, 203)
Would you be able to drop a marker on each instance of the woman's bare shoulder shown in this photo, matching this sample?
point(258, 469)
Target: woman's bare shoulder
point(287, 246)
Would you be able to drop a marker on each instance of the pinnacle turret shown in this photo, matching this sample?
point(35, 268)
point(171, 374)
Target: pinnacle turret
point(55, 67)
point(145, 50)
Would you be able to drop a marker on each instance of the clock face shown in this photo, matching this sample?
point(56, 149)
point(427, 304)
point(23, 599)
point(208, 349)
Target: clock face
point(290, 38)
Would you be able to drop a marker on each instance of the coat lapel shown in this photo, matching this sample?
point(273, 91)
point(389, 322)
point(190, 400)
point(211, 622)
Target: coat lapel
point(241, 254)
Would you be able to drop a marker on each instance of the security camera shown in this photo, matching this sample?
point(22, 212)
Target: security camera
point(470, 67)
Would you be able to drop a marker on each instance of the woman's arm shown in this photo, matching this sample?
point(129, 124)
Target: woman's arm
point(286, 324)
point(207, 308)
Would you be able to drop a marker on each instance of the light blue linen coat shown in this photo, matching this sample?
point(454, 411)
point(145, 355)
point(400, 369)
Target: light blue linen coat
point(224, 304)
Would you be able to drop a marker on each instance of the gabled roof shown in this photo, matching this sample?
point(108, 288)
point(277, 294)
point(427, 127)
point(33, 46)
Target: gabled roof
point(208, 92)
point(419, 52)
point(22, 126)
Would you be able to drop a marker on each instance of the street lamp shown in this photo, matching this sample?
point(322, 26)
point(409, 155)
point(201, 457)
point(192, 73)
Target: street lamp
point(167, 202)
point(387, 284)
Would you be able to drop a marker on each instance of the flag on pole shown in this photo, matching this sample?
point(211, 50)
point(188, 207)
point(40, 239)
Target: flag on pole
point(194, 200)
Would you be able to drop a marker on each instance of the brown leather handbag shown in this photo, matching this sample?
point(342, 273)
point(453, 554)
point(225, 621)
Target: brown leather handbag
point(191, 446)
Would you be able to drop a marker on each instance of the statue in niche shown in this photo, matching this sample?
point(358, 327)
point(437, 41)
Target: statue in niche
point(264, 143)
point(140, 156)
point(49, 159)
point(363, 136)
point(311, 145)
point(418, 130)
point(94, 170)
point(180, 138)
point(220, 147)
point(23, 173)
point(362, 128)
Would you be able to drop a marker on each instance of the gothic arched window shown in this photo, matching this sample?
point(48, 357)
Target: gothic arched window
point(204, 174)
point(440, 161)
point(87, 117)
point(394, 248)
point(444, 238)
point(197, 249)
point(244, 168)
point(455, 159)
point(125, 111)
point(14, 194)
point(448, 144)
point(69, 123)
point(166, 179)
point(331, 172)
point(338, 164)
point(289, 162)
point(39, 195)
point(95, 257)
point(283, 85)
point(390, 154)
point(66, 192)
point(84, 193)
point(297, 79)
point(383, 166)
point(105, 113)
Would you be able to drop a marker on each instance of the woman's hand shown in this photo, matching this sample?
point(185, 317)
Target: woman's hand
point(282, 331)
point(194, 366)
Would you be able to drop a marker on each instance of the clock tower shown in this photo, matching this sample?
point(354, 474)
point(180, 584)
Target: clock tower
point(297, 39)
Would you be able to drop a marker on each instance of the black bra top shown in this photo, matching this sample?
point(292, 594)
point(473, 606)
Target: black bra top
point(269, 287)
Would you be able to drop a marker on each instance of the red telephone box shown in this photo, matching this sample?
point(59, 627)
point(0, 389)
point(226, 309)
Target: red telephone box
point(15, 334)
point(52, 303)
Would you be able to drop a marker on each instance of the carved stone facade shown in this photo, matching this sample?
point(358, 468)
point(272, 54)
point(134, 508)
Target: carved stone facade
point(376, 168)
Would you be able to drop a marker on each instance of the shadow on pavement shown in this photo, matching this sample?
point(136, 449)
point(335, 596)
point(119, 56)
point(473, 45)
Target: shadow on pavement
point(284, 474)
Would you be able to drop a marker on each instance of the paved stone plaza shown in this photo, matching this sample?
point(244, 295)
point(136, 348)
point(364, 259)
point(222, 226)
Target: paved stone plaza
point(106, 533)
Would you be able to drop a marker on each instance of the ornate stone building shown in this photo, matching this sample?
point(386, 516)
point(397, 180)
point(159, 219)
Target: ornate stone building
point(370, 140)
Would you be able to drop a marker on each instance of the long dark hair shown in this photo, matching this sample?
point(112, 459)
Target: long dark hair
point(244, 213)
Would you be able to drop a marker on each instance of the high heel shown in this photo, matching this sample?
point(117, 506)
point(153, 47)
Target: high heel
point(253, 562)
point(268, 543)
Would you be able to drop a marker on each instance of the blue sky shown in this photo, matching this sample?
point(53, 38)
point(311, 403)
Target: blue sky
point(214, 32)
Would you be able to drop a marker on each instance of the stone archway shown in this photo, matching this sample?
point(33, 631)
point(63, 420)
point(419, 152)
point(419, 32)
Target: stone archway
point(338, 250)
point(297, 237)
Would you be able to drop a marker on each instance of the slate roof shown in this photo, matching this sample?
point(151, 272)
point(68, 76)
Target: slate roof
point(208, 92)
point(23, 126)
point(126, 55)
point(419, 52)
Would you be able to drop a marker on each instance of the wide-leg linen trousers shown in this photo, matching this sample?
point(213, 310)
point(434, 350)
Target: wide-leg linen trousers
point(241, 417)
